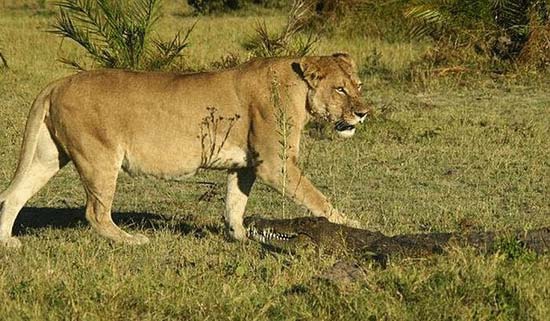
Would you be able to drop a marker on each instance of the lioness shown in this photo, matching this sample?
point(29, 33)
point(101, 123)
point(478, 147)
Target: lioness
point(169, 125)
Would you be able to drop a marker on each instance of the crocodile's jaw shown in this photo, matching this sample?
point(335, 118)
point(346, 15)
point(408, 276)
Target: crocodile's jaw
point(281, 233)
point(269, 235)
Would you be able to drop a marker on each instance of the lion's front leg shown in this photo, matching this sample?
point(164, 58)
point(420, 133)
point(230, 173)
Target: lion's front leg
point(239, 184)
point(300, 189)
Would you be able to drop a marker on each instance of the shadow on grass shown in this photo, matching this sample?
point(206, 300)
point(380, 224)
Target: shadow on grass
point(31, 218)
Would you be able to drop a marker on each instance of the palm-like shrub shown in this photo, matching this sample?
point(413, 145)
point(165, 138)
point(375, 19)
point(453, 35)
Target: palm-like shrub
point(507, 21)
point(117, 34)
point(290, 41)
point(441, 18)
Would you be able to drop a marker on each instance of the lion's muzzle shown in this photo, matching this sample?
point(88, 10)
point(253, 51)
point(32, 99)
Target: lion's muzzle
point(344, 128)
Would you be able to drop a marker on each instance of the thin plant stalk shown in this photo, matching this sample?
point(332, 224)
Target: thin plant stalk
point(3, 61)
point(284, 127)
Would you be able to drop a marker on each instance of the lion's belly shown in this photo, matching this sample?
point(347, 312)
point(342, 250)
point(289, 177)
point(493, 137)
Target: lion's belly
point(226, 158)
point(163, 168)
point(179, 164)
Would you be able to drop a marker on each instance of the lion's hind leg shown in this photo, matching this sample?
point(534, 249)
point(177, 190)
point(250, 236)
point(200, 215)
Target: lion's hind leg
point(46, 162)
point(99, 174)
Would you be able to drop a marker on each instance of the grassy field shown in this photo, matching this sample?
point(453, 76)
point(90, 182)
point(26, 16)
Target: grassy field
point(441, 154)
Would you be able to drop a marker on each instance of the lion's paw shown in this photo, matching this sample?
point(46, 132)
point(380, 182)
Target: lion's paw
point(352, 223)
point(137, 239)
point(236, 233)
point(11, 242)
point(342, 219)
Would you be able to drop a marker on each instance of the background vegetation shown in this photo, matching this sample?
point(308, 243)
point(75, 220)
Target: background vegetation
point(459, 140)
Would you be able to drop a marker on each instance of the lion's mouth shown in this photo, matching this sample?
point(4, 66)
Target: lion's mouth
point(344, 129)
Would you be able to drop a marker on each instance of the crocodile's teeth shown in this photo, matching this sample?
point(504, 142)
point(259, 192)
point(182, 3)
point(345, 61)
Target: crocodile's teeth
point(252, 232)
point(267, 234)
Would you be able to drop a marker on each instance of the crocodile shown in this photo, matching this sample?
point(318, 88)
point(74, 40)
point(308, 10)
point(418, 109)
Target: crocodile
point(290, 234)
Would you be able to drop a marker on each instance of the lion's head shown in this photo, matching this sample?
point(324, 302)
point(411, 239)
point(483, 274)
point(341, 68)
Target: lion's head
point(334, 91)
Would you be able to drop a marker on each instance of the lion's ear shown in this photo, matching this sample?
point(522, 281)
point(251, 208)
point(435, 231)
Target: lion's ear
point(310, 71)
point(342, 55)
point(345, 57)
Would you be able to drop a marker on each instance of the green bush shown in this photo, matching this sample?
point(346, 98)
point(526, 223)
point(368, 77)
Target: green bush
point(117, 34)
point(213, 6)
point(535, 53)
point(361, 18)
point(210, 6)
point(501, 26)
point(290, 41)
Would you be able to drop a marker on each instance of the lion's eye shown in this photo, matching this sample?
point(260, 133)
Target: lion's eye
point(341, 90)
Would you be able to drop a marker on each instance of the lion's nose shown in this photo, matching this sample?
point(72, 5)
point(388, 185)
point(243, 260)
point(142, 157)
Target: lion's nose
point(361, 115)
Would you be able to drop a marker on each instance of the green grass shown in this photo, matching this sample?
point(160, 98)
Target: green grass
point(439, 155)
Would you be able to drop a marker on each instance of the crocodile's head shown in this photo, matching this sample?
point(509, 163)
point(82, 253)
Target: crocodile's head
point(288, 234)
point(284, 233)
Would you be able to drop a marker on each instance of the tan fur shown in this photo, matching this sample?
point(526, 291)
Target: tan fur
point(169, 125)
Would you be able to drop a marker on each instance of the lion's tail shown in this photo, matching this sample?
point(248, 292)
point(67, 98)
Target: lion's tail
point(35, 119)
